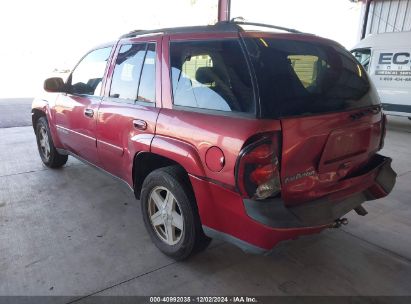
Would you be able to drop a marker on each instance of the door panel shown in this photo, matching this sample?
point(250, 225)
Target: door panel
point(76, 111)
point(116, 133)
point(128, 113)
point(76, 130)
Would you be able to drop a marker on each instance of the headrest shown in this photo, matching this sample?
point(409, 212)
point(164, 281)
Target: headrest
point(206, 75)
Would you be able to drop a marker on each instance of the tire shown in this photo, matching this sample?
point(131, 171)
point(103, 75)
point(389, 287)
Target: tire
point(48, 153)
point(170, 213)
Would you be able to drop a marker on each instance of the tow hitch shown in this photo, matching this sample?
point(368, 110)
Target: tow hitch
point(339, 222)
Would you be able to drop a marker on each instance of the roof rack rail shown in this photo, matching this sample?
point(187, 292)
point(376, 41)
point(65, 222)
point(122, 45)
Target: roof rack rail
point(223, 26)
point(233, 25)
point(131, 34)
point(265, 25)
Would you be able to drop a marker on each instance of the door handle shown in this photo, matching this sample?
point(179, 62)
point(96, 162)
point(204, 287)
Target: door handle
point(89, 112)
point(140, 124)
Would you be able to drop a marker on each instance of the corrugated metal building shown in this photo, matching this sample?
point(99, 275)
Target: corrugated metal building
point(382, 16)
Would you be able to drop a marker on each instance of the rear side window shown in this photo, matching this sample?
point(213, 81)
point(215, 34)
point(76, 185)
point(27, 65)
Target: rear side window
point(87, 76)
point(302, 78)
point(134, 73)
point(211, 75)
point(305, 66)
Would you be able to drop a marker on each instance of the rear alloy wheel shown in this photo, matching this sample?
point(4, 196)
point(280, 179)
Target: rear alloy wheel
point(170, 213)
point(165, 215)
point(48, 153)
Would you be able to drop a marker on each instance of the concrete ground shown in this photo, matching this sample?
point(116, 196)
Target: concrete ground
point(77, 232)
point(15, 112)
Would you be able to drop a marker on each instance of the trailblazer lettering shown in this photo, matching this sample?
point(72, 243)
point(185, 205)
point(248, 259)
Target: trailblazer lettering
point(299, 176)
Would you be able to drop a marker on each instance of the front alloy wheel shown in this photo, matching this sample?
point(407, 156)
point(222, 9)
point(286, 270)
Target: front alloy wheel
point(48, 153)
point(44, 143)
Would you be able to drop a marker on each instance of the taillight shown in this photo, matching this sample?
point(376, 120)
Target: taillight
point(383, 130)
point(258, 171)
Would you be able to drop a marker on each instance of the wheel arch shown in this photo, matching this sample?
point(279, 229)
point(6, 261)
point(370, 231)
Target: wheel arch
point(36, 114)
point(165, 152)
point(41, 108)
point(144, 163)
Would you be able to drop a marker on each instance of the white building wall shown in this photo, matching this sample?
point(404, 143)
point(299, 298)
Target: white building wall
point(388, 16)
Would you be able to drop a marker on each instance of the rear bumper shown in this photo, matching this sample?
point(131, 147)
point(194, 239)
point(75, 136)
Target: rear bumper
point(377, 182)
point(257, 226)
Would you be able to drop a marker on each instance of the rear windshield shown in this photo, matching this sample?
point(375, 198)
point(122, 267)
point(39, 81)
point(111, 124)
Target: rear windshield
point(302, 78)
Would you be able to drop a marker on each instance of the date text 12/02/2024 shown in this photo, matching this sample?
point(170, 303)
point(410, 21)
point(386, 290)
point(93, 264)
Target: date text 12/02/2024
point(205, 299)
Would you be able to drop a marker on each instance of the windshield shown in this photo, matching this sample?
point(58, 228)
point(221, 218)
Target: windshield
point(302, 78)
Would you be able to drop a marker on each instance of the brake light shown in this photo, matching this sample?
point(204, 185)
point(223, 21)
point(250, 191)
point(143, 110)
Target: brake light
point(383, 130)
point(257, 170)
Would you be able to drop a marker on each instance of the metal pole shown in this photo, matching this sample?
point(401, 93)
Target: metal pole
point(224, 10)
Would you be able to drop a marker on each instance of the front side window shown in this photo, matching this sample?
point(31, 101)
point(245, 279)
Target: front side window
point(211, 75)
point(87, 77)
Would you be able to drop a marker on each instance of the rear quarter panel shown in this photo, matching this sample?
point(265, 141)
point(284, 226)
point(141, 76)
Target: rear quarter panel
point(199, 132)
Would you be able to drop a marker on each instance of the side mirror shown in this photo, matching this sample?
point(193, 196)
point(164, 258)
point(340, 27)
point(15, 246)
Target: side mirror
point(54, 85)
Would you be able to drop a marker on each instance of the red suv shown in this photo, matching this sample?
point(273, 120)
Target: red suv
point(250, 136)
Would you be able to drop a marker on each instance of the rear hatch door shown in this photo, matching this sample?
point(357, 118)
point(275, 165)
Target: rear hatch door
point(329, 111)
point(320, 152)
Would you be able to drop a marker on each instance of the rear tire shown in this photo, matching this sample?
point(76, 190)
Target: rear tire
point(48, 153)
point(170, 213)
